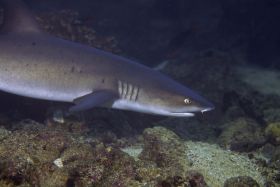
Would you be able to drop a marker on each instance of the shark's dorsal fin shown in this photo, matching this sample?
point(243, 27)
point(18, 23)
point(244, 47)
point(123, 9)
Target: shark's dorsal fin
point(17, 17)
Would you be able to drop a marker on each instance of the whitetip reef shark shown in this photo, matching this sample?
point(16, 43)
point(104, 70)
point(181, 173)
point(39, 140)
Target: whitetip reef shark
point(37, 65)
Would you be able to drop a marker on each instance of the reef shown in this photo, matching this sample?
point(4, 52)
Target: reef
point(242, 135)
point(237, 144)
point(218, 165)
point(55, 154)
point(273, 132)
point(241, 182)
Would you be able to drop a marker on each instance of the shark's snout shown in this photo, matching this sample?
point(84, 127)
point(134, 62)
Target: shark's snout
point(195, 104)
point(207, 106)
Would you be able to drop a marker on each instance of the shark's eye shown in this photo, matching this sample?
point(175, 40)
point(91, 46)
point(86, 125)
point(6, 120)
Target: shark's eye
point(187, 101)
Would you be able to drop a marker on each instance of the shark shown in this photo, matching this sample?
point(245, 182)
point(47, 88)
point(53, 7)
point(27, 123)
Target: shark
point(36, 64)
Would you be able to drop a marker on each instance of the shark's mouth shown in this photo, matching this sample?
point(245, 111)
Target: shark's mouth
point(126, 105)
point(189, 114)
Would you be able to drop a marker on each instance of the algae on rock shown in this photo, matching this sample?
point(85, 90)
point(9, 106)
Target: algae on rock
point(273, 132)
point(165, 148)
point(241, 182)
point(242, 135)
point(218, 165)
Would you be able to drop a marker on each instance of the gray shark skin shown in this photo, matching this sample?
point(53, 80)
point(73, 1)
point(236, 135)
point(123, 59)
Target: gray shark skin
point(35, 64)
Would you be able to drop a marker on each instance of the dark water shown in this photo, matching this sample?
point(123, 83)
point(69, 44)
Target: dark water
point(226, 50)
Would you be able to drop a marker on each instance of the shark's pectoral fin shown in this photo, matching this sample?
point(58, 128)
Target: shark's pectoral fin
point(94, 99)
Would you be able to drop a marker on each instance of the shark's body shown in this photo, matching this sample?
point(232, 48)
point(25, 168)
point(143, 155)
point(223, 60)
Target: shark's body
point(44, 67)
point(37, 65)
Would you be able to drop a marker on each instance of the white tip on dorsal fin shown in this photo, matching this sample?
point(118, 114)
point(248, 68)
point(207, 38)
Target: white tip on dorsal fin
point(17, 17)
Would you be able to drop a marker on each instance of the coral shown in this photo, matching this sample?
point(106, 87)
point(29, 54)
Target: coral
point(218, 165)
point(193, 179)
point(275, 159)
point(242, 135)
point(272, 114)
point(35, 154)
point(273, 132)
point(196, 179)
point(30, 154)
point(149, 173)
point(241, 182)
point(73, 153)
point(4, 133)
point(268, 157)
point(165, 148)
point(27, 154)
point(269, 105)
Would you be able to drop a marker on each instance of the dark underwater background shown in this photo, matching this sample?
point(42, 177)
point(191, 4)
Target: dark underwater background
point(227, 50)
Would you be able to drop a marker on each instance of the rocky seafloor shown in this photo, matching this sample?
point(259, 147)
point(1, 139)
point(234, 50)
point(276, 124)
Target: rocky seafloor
point(237, 145)
point(64, 154)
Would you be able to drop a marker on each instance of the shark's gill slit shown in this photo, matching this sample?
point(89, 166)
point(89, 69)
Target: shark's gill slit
point(120, 89)
point(129, 91)
point(124, 90)
point(135, 93)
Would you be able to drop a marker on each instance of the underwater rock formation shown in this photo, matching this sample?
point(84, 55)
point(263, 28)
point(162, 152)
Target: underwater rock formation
point(273, 132)
point(56, 154)
point(165, 148)
point(98, 152)
point(241, 182)
point(242, 135)
point(30, 155)
point(275, 159)
point(218, 165)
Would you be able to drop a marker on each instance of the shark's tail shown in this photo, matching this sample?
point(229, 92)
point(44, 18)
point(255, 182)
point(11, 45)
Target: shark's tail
point(17, 17)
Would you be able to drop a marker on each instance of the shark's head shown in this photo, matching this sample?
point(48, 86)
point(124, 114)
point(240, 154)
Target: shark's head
point(169, 99)
point(181, 103)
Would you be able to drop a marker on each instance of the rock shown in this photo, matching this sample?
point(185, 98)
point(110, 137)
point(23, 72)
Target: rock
point(39, 155)
point(133, 151)
point(242, 181)
point(196, 179)
point(217, 165)
point(268, 150)
point(275, 159)
point(27, 158)
point(58, 162)
point(272, 114)
point(242, 135)
point(58, 178)
point(272, 131)
point(4, 133)
point(193, 179)
point(165, 148)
